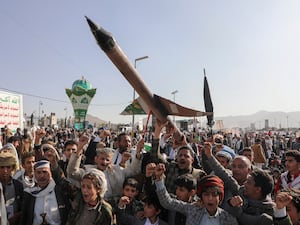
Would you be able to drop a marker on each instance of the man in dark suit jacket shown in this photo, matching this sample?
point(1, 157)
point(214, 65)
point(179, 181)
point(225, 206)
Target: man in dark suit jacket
point(12, 189)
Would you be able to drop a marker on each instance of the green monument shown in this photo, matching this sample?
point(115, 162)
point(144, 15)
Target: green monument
point(80, 96)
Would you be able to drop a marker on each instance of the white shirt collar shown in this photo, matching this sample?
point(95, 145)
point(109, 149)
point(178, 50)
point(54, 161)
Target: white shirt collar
point(217, 214)
point(148, 222)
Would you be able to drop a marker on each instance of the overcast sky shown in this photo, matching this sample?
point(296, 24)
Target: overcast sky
point(250, 50)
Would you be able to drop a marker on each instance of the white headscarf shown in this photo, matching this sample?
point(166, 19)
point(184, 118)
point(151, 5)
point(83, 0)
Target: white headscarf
point(101, 178)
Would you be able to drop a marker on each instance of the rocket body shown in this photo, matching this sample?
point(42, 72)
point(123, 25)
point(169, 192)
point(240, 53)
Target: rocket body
point(108, 44)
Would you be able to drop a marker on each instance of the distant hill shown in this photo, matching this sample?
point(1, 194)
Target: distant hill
point(276, 119)
point(93, 120)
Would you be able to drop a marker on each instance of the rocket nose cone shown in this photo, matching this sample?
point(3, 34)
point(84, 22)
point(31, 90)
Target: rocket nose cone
point(105, 39)
point(92, 25)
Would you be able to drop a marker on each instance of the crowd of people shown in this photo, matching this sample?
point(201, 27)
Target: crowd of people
point(105, 177)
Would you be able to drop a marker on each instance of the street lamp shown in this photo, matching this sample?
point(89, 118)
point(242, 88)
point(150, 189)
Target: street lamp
point(137, 59)
point(40, 104)
point(174, 93)
point(66, 110)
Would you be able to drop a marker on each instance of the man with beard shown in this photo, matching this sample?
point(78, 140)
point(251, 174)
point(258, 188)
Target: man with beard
point(47, 202)
point(124, 145)
point(182, 165)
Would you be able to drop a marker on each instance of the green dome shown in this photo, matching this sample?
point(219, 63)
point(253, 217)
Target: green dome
point(82, 83)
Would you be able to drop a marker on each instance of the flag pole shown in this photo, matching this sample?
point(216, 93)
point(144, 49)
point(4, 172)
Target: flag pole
point(208, 103)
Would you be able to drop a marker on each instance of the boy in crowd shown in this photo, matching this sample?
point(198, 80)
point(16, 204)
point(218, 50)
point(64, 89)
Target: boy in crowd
point(210, 189)
point(115, 174)
point(152, 209)
point(69, 147)
point(290, 178)
point(186, 186)
point(250, 201)
point(25, 175)
point(128, 204)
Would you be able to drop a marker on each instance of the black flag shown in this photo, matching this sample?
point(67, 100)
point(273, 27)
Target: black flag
point(31, 119)
point(207, 102)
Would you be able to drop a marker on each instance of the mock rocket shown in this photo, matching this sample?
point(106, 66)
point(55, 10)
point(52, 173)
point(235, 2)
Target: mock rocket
point(109, 45)
point(158, 105)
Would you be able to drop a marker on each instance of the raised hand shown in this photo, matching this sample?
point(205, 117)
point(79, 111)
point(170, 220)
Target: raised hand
point(39, 134)
point(208, 149)
point(150, 169)
point(159, 171)
point(83, 140)
point(236, 201)
point(282, 199)
point(125, 156)
point(105, 133)
point(139, 147)
point(124, 200)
